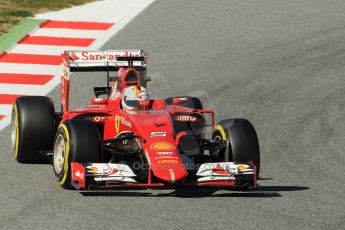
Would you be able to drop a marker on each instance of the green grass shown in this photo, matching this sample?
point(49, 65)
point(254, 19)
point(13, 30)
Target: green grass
point(13, 11)
point(18, 32)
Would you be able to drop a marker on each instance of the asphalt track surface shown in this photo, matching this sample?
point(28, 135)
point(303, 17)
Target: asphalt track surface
point(278, 63)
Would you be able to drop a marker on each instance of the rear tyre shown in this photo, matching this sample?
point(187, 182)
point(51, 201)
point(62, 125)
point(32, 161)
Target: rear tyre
point(32, 128)
point(191, 103)
point(75, 141)
point(243, 142)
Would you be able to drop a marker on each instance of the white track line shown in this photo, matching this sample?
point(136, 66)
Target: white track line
point(29, 68)
point(41, 49)
point(69, 33)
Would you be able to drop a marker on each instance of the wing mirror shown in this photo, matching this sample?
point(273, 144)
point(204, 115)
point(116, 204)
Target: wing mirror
point(99, 101)
point(179, 100)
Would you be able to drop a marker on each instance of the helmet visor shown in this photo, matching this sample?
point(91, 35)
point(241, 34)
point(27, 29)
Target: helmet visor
point(131, 103)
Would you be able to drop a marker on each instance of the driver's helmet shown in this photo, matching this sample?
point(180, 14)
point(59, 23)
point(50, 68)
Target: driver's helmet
point(135, 98)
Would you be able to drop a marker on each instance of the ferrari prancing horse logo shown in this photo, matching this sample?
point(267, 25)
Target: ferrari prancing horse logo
point(117, 122)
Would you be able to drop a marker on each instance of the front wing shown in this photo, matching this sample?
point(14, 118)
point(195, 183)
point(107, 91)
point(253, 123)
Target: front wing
point(225, 174)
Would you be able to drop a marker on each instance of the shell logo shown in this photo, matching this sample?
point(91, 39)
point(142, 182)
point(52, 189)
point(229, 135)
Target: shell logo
point(162, 146)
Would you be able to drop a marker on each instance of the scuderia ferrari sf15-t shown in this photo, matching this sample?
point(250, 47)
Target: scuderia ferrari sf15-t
point(168, 142)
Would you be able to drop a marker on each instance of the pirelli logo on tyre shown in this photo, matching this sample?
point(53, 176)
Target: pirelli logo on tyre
point(162, 146)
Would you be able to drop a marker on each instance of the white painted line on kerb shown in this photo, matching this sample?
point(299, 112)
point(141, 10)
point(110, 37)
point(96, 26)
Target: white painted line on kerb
point(29, 68)
point(20, 89)
point(68, 33)
point(5, 109)
point(41, 49)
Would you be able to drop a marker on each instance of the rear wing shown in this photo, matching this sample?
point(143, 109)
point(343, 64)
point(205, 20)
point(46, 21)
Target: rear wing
point(102, 61)
point(87, 61)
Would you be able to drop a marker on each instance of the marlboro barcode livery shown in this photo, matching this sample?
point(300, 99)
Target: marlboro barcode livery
point(127, 138)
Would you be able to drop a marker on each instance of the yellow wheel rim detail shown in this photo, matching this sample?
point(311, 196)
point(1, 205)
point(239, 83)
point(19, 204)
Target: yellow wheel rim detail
point(221, 130)
point(67, 148)
point(15, 146)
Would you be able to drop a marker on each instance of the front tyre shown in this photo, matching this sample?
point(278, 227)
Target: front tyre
point(75, 141)
point(243, 144)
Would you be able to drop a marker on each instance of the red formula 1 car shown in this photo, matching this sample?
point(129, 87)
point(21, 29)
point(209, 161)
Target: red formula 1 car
point(126, 138)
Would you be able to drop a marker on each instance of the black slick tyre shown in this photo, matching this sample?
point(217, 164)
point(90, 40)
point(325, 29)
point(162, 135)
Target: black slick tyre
point(243, 141)
point(32, 128)
point(75, 141)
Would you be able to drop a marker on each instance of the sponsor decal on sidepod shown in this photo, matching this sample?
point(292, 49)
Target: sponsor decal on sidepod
point(162, 146)
point(125, 122)
point(158, 134)
point(186, 118)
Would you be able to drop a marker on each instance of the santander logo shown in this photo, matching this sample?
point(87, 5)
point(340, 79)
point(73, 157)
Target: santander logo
point(99, 56)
